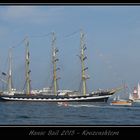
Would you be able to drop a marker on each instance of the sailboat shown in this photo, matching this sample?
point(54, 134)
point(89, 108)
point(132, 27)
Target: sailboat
point(135, 96)
point(123, 102)
point(99, 96)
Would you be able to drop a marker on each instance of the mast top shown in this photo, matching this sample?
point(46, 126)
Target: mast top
point(26, 41)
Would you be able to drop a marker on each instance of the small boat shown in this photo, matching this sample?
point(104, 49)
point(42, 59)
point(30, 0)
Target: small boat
point(62, 103)
point(122, 102)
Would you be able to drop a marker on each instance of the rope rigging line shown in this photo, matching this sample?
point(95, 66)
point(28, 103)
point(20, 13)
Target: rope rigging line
point(31, 36)
point(40, 36)
point(18, 44)
point(73, 33)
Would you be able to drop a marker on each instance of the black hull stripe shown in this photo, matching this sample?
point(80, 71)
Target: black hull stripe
point(70, 99)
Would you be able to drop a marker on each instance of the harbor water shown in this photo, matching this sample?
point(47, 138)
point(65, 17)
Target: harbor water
point(44, 113)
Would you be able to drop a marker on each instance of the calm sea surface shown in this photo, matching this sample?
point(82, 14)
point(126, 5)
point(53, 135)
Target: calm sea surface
point(37, 113)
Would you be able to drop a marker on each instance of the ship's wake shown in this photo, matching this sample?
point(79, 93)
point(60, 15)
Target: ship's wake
point(106, 106)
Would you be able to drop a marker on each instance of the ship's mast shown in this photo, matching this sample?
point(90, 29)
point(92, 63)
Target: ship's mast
point(83, 58)
point(54, 60)
point(28, 85)
point(10, 71)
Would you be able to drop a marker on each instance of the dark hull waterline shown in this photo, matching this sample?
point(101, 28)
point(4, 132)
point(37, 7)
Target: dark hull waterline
point(51, 98)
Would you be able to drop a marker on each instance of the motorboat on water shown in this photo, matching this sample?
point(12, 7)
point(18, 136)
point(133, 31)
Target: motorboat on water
point(121, 102)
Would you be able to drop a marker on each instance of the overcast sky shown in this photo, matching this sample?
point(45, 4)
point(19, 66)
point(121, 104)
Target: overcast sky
point(112, 40)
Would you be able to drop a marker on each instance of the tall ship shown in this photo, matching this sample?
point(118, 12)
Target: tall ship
point(54, 94)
